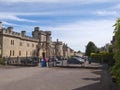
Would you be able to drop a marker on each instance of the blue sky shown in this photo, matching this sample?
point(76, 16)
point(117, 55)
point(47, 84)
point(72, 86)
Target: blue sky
point(75, 22)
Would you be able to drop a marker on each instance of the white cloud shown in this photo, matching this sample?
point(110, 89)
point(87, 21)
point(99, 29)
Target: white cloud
point(75, 34)
point(60, 1)
point(14, 1)
point(13, 17)
point(116, 6)
point(9, 24)
point(106, 13)
point(78, 34)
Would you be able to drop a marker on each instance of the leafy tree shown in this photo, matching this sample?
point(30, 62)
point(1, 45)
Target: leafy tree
point(117, 42)
point(79, 51)
point(116, 68)
point(110, 49)
point(90, 48)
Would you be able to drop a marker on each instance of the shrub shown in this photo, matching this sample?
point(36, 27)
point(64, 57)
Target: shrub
point(103, 57)
point(1, 60)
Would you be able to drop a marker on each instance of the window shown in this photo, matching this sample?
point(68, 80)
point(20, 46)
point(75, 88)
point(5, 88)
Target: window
point(13, 52)
point(20, 43)
point(26, 53)
point(32, 45)
point(36, 46)
point(12, 42)
point(27, 44)
point(10, 52)
point(19, 53)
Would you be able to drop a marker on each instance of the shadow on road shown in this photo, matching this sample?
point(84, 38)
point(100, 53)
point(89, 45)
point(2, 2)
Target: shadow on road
point(105, 81)
point(96, 86)
point(94, 79)
point(79, 67)
point(97, 72)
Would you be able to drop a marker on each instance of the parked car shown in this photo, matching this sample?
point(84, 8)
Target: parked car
point(56, 60)
point(75, 60)
point(30, 61)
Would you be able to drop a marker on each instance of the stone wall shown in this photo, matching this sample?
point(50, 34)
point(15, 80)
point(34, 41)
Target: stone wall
point(15, 47)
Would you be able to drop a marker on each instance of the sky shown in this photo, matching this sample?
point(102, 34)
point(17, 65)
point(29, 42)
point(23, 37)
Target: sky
point(74, 22)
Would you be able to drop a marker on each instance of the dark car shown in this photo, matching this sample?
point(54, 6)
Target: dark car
point(75, 60)
point(30, 61)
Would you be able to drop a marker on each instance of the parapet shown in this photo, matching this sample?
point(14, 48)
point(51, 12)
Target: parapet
point(35, 34)
point(10, 33)
point(22, 35)
point(48, 32)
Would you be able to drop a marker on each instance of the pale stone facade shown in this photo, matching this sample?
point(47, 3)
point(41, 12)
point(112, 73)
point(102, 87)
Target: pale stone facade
point(13, 44)
point(61, 49)
point(16, 45)
point(70, 51)
point(58, 48)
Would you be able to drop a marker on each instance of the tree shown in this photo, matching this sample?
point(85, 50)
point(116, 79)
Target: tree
point(79, 51)
point(110, 49)
point(116, 68)
point(90, 48)
point(117, 42)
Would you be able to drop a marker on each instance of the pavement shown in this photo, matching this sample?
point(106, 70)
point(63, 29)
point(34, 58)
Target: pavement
point(85, 65)
point(8, 66)
point(56, 78)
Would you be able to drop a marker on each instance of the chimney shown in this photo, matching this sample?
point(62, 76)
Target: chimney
point(57, 40)
point(10, 29)
point(36, 29)
point(0, 25)
point(23, 33)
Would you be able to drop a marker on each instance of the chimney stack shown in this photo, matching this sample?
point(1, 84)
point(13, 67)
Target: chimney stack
point(36, 29)
point(23, 33)
point(10, 29)
point(0, 25)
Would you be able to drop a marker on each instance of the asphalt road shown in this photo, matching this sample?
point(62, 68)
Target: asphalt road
point(37, 78)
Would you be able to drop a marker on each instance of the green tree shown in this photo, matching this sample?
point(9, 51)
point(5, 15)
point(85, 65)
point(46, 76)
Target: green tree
point(116, 68)
point(110, 49)
point(117, 42)
point(90, 48)
point(79, 51)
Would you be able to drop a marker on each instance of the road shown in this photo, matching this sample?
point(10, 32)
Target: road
point(37, 78)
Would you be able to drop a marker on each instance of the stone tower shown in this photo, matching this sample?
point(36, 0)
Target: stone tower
point(35, 33)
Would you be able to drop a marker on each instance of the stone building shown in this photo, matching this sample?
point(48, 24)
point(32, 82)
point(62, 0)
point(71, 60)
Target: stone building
point(44, 42)
point(62, 50)
point(58, 48)
point(70, 52)
point(16, 45)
